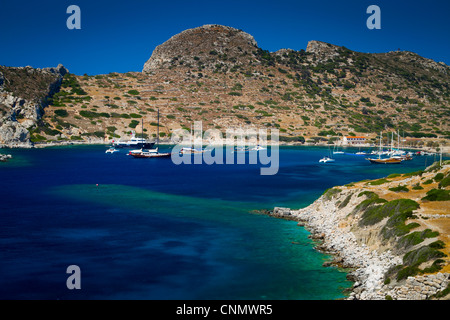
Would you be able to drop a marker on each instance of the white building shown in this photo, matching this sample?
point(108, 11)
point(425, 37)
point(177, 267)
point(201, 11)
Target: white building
point(353, 140)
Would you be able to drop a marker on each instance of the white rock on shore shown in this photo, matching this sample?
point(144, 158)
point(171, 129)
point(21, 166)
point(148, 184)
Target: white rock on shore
point(5, 157)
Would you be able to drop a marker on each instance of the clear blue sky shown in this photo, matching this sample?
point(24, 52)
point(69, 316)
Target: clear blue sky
point(119, 36)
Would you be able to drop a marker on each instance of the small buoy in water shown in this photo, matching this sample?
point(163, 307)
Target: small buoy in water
point(97, 184)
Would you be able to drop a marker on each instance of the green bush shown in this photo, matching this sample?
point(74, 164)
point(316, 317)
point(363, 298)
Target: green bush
point(371, 209)
point(330, 193)
point(435, 267)
point(409, 271)
point(421, 255)
point(50, 131)
point(398, 212)
point(368, 194)
point(37, 138)
point(133, 92)
point(415, 173)
point(437, 245)
point(443, 293)
point(61, 113)
point(70, 81)
point(438, 177)
point(445, 182)
point(399, 189)
point(345, 202)
point(324, 133)
point(133, 124)
point(92, 114)
point(415, 238)
point(378, 182)
point(292, 139)
point(437, 195)
point(413, 259)
point(373, 214)
point(385, 97)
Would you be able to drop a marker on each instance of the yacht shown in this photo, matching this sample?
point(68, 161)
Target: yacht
point(149, 152)
point(111, 150)
point(152, 153)
point(258, 148)
point(187, 150)
point(326, 159)
point(134, 142)
point(241, 149)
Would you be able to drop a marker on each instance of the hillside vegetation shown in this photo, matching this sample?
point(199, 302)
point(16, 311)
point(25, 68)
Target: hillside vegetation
point(218, 75)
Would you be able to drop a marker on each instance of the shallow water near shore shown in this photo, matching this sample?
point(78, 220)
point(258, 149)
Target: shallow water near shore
point(149, 229)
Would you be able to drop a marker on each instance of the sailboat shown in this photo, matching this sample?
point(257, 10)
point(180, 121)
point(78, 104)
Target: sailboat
point(187, 150)
point(337, 151)
point(151, 153)
point(360, 153)
point(327, 159)
point(390, 160)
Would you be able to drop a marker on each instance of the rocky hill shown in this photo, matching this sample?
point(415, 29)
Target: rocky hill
point(393, 232)
point(206, 46)
point(219, 75)
point(24, 93)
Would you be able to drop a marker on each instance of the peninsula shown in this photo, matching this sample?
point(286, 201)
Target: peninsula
point(393, 233)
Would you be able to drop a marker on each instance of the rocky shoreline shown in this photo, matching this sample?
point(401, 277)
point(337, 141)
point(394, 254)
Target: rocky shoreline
point(359, 250)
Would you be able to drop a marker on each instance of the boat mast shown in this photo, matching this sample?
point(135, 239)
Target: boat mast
point(157, 132)
point(392, 142)
point(142, 133)
point(379, 151)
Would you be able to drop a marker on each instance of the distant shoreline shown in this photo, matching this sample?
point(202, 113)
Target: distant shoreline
point(446, 151)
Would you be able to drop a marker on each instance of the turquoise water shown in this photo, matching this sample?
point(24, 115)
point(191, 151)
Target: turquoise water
point(148, 229)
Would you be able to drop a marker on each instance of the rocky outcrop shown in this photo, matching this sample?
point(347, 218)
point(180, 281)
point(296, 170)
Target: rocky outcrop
point(412, 58)
point(205, 46)
point(2, 81)
point(24, 92)
point(14, 135)
point(419, 287)
point(322, 51)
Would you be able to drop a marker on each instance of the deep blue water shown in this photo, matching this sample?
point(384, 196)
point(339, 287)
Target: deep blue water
point(149, 229)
